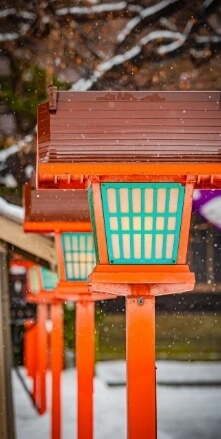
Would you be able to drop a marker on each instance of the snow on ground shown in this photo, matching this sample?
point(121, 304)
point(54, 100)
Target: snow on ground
point(185, 410)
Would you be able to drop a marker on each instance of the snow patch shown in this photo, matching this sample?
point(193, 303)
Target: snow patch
point(11, 211)
point(212, 211)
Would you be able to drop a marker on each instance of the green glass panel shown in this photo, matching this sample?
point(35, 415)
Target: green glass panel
point(142, 221)
point(79, 255)
point(49, 279)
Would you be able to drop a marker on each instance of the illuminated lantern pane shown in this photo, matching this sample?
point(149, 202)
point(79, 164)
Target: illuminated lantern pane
point(49, 279)
point(34, 280)
point(79, 255)
point(142, 221)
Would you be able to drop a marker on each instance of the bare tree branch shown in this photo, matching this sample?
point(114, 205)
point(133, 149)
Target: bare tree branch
point(178, 40)
point(144, 13)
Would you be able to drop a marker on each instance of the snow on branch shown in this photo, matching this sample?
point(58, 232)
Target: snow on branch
point(167, 23)
point(11, 211)
point(13, 149)
point(207, 3)
point(143, 13)
point(5, 153)
point(94, 9)
point(6, 12)
point(177, 37)
point(23, 28)
point(9, 36)
point(22, 14)
point(215, 39)
point(6, 177)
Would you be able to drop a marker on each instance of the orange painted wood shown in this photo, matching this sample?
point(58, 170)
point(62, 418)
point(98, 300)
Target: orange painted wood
point(85, 368)
point(185, 225)
point(99, 222)
point(56, 226)
point(148, 268)
point(140, 355)
point(33, 344)
point(142, 276)
point(29, 344)
point(56, 368)
point(156, 289)
point(41, 358)
point(153, 168)
point(61, 262)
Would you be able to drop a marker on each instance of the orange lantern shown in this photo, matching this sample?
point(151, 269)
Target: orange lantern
point(66, 214)
point(140, 154)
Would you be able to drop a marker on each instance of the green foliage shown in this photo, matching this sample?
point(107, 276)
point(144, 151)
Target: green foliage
point(69, 326)
point(23, 91)
point(187, 336)
point(12, 195)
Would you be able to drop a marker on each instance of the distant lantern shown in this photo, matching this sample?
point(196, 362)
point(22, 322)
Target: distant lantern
point(41, 284)
point(141, 155)
point(66, 214)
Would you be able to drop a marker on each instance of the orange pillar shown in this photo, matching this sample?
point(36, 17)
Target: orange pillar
point(141, 385)
point(85, 368)
point(30, 361)
point(56, 368)
point(34, 360)
point(41, 358)
point(29, 347)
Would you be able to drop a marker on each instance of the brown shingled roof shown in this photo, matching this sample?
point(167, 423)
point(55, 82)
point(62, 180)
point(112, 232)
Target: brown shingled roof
point(55, 206)
point(130, 127)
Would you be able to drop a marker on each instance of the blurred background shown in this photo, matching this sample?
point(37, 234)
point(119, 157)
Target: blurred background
point(114, 45)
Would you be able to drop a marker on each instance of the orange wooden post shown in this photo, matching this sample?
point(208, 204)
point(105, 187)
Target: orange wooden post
point(41, 358)
point(34, 341)
point(56, 368)
point(141, 392)
point(85, 367)
point(30, 361)
point(29, 347)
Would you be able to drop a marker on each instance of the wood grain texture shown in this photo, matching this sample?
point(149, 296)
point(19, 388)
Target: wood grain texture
point(131, 126)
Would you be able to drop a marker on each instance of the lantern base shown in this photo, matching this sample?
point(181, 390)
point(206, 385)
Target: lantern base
point(78, 291)
point(142, 280)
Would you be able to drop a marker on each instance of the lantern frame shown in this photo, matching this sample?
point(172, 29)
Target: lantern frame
point(160, 279)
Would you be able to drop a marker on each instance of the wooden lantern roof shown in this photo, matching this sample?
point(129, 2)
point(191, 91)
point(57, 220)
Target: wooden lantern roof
point(121, 133)
point(55, 210)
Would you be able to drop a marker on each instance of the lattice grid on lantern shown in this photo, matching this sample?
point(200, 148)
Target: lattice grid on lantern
point(142, 221)
point(79, 255)
point(49, 279)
